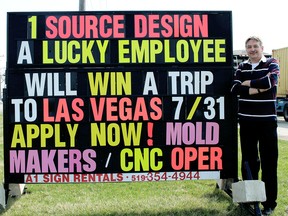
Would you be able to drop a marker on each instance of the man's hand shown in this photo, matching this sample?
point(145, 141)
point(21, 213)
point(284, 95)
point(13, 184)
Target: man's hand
point(246, 83)
point(253, 91)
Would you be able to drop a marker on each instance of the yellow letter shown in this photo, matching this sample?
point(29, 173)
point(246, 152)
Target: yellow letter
point(153, 163)
point(132, 132)
point(97, 134)
point(126, 166)
point(124, 82)
point(45, 52)
point(141, 159)
point(86, 52)
point(207, 51)
point(18, 137)
point(72, 132)
point(167, 52)
point(57, 133)
point(139, 52)
point(60, 53)
point(219, 51)
point(195, 49)
point(72, 56)
point(32, 133)
point(46, 132)
point(156, 47)
point(102, 49)
point(123, 51)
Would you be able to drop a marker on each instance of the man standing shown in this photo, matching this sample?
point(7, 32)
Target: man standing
point(255, 82)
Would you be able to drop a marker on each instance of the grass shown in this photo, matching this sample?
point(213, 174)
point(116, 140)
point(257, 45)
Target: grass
point(140, 198)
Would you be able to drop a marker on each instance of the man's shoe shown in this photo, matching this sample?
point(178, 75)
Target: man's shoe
point(267, 211)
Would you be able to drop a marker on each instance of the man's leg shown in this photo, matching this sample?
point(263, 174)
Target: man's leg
point(249, 149)
point(268, 147)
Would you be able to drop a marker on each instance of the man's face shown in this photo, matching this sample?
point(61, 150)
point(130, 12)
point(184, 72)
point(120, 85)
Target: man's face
point(254, 50)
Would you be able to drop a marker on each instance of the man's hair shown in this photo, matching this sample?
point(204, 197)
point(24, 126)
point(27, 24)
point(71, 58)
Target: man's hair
point(253, 38)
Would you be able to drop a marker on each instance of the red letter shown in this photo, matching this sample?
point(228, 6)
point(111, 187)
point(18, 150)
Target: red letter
point(91, 23)
point(140, 20)
point(203, 158)
point(157, 114)
point(64, 27)
point(78, 28)
point(117, 26)
point(153, 24)
point(79, 115)
point(52, 32)
point(97, 109)
point(104, 21)
point(200, 26)
point(46, 117)
point(166, 22)
point(190, 155)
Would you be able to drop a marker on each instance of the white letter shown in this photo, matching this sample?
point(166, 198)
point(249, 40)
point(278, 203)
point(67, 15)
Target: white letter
point(150, 84)
point(24, 53)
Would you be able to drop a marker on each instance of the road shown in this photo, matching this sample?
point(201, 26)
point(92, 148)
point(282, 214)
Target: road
point(282, 128)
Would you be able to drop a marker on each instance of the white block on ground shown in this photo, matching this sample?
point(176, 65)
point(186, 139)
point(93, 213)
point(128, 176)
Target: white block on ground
point(248, 191)
point(2, 197)
point(16, 189)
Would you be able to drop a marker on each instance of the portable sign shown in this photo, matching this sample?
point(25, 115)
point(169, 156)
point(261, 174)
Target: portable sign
point(119, 97)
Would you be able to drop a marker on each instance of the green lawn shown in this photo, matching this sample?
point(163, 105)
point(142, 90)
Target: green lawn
point(142, 198)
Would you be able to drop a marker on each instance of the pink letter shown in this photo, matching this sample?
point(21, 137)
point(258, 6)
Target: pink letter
point(33, 162)
point(17, 163)
point(199, 139)
point(74, 160)
point(62, 160)
point(212, 133)
point(173, 133)
point(48, 164)
point(88, 154)
point(188, 133)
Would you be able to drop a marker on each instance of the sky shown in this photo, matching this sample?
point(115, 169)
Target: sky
point(249, 17)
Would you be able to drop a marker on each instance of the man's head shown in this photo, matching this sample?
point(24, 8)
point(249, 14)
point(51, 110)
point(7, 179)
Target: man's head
point(254, 49)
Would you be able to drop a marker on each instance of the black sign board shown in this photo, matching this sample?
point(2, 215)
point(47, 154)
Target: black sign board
point(119, 96)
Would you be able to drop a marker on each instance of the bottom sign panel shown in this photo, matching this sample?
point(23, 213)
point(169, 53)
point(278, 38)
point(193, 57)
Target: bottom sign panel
point(92, 123)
